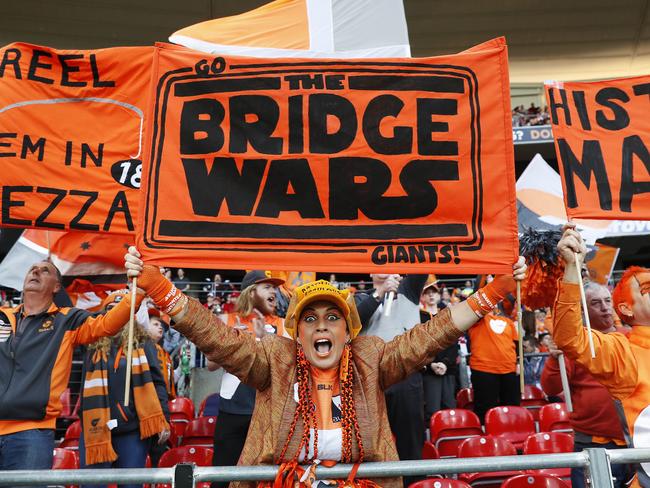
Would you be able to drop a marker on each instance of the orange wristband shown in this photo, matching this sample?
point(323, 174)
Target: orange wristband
point(487, 298)
point(163, 292)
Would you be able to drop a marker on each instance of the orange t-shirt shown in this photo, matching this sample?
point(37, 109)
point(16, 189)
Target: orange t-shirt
point(493, 346)
point(273, 323)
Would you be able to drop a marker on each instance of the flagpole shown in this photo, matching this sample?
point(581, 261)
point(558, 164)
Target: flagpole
point(520, 326)
point(583, 300)
point(129, 347)
point(565, 383)
point(585, 312)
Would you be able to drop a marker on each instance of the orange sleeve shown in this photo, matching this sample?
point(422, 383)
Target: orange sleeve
point(410, 351)
point(614, 365)
point(108, 324)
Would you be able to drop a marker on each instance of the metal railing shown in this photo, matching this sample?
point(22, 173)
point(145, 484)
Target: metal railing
point(596, 462)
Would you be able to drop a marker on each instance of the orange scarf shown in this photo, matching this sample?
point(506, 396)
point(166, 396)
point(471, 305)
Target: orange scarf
point(292, 475)
point(96, 409)
point(167, 371)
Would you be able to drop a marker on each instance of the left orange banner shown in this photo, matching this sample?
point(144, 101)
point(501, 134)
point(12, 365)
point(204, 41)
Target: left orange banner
point(71, 125)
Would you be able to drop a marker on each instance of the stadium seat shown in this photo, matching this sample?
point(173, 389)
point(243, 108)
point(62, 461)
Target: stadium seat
point(439, 483)
point(71, 438)
point(181, 409)
point(533, 399)
point(201, 456)
point(449, 428)
point(465, 398)
point(67, 408)
point(77, 408)
point(429, 451)
point(209, 406)
point(512, 423)
point(200, 432)
point(485, 446)
point(535, 481)
point(65, 459)
point(176, 433)
point(549, 443)
point(554, 417)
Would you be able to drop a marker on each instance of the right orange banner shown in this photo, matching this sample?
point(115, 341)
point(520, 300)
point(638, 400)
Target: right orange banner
point(602, 135)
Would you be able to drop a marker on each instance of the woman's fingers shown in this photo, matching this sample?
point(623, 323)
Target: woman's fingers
point(132, 262)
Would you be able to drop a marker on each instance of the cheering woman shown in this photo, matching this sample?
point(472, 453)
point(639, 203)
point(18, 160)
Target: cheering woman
point(321, 393)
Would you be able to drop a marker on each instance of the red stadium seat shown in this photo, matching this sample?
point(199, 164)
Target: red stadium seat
point(200, 432)
point(439, 483)
point(201, 456)
point(71, 438)
point(66, 404)
point(176, 433)
point(533, 399)
point(512, 423)
point(485, 446)
point(549, 443)
point(451, 427)
point(535, 481)
point(181, 409)
point(77, 408)
point(429, 451)
point(465, 398)
point(65, 459)
point(554, 417)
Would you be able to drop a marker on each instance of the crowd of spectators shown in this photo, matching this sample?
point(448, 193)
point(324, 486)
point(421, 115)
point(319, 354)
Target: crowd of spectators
point(532, 115)
point(492, 369)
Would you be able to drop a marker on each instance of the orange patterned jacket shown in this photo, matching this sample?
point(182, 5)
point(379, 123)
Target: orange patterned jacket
point(269, 366)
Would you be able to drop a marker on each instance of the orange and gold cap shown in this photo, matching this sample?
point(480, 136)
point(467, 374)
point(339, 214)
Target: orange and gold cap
point(322, 290)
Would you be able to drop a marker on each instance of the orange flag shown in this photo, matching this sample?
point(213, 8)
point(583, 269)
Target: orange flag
point(601, 261)
point(384, 165)
point(602, 141)
point(71, 137)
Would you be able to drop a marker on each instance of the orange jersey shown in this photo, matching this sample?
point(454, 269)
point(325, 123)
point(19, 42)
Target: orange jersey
point(493, 347)
point(235, 397)
point(622, 365)
point(167, 370)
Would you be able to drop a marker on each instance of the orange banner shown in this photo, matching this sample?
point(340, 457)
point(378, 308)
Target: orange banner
point(393, 165)
point(602, 141)
point(71, 136)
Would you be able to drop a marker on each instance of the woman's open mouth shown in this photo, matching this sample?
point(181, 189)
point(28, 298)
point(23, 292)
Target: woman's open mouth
point(323, 347)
